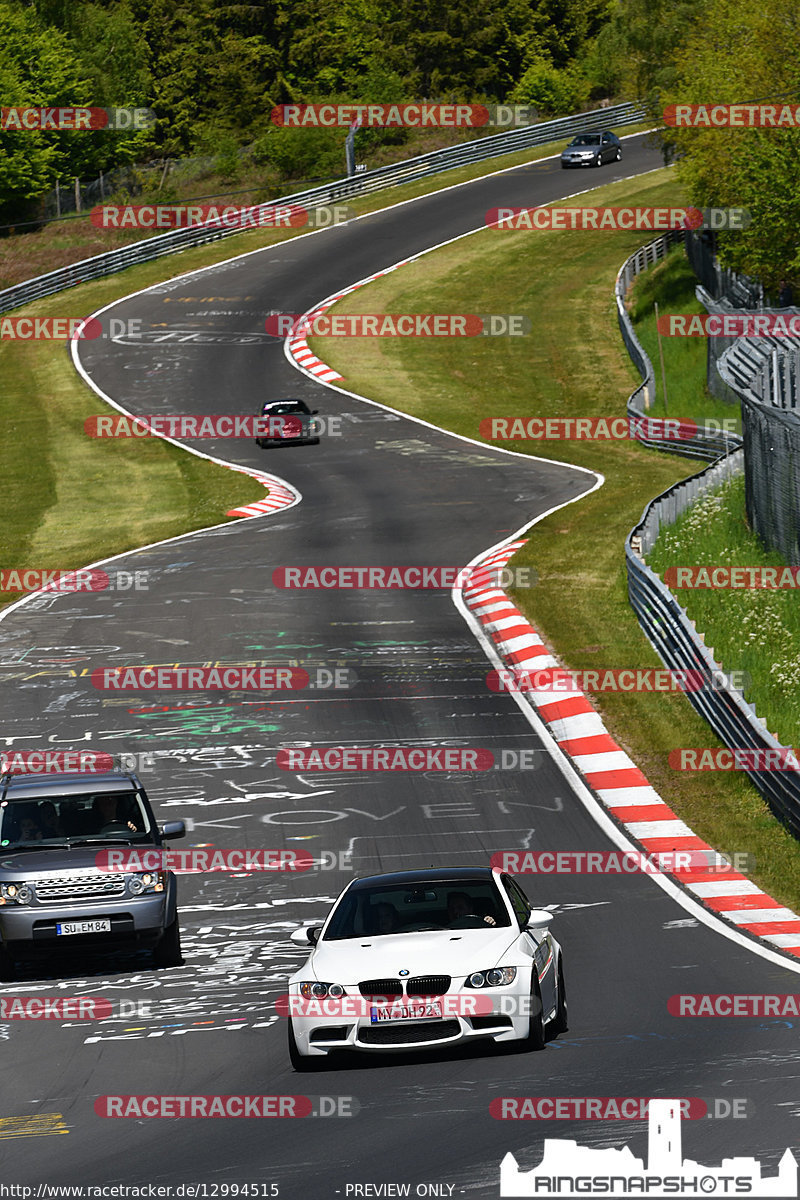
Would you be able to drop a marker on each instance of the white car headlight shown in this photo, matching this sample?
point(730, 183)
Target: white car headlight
point(316, 991)
point(493, 977)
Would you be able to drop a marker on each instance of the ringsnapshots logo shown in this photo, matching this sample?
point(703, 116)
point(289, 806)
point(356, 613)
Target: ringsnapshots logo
point(226, 216)
point(75, 119)
point(402, 325)
point(567, 1169)
point(412, 115)
point(600, 220)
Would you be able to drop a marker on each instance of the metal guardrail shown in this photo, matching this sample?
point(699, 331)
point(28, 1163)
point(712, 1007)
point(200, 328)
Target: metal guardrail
point(340, 190)
point(674, 637)
point(708, 445)
point(664, 622)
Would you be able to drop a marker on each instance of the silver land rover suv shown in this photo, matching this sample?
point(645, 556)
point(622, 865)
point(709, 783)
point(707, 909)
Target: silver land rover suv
point(56, 832)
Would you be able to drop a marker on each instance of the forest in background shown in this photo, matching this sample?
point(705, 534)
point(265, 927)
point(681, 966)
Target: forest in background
point(212, 71)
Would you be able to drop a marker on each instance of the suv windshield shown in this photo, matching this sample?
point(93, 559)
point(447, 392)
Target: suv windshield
point(76, 817)
point(412, 908)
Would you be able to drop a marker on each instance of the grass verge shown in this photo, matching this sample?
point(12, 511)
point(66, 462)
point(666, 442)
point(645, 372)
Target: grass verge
point(671, 284)
point(752, 630)
point(573, 364)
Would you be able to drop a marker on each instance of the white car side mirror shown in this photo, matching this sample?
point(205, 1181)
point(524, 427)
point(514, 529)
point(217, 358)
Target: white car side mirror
point(302, 936)
point(540, 918)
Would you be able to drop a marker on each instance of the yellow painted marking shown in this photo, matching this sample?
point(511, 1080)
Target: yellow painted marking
point(32, 1126)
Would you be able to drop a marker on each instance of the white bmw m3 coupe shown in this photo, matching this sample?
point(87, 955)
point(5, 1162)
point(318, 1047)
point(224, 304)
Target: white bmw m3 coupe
point(426, 958)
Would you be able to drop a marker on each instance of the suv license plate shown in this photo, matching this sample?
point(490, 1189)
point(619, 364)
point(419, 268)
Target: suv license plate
point(100, 926)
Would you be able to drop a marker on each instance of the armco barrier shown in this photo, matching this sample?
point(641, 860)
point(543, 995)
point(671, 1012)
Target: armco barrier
point(711, 444)
point(674, 636)
point(330, 193)
point(665, 624)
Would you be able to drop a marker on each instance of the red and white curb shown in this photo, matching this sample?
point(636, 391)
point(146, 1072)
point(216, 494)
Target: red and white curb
point(613, 777)
point(297, 348)
point(280, 494)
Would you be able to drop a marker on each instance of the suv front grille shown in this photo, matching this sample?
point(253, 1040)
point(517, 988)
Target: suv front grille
point(68, 889)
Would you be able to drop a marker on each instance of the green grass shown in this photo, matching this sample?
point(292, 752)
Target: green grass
point(671, 284)
point(573, 364)
point(752, 630)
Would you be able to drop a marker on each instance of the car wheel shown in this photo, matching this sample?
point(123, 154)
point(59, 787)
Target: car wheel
point(619, 155)
point(559, 1024)
point(535, 1037)
point(260, 442)
point(598, 161)
point(167, 952)
point(298, 1061)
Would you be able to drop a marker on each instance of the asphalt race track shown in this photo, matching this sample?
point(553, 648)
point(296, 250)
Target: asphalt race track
point(389, 491)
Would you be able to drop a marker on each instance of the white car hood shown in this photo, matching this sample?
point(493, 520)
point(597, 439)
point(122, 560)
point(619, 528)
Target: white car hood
point(454, 952)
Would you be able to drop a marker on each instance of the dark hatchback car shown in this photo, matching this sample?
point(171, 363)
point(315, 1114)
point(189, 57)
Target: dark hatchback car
point(54, 897)
point(287, 423)
point(592, 149)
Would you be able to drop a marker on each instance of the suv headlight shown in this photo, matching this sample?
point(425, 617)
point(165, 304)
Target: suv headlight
point(316, 991)
point(146, 881)
point(15, 893)
point(493, 977)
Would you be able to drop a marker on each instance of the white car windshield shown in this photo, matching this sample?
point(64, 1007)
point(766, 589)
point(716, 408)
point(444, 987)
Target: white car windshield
point(413, 908)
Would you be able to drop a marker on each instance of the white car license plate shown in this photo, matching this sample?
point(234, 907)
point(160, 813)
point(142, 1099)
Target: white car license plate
point(99, 926)
point(428, 1011)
